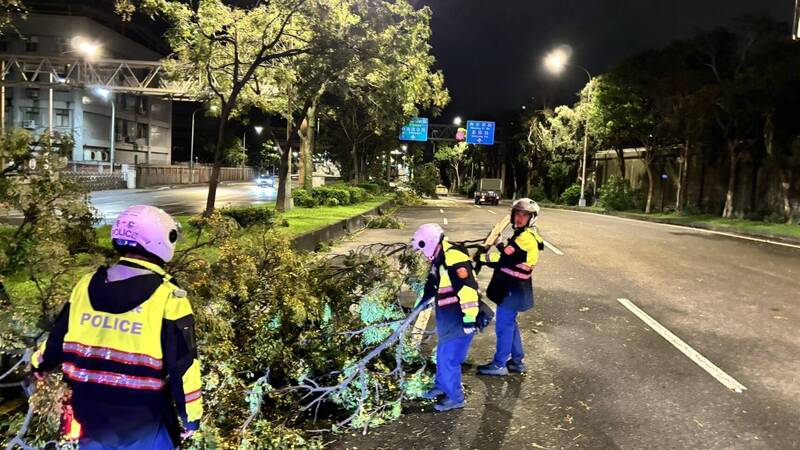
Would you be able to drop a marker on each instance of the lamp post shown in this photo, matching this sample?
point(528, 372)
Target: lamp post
point(106, 95)
point(555, 62)
point(258, 129)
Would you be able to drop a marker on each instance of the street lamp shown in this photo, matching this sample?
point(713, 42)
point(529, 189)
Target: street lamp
point(258, 129)
point(555, 62)
point(86, 47)
point(106, 95)
point(457, 121)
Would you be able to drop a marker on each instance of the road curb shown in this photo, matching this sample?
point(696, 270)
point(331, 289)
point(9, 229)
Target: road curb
point(310, 241)
point(677, 223)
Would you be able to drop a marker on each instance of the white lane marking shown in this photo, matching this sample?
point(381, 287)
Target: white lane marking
point(441, 210)
point(686, 227)
point(477, 206)
point(492, 212)
point(420, 326)
point(553, 248)
point(727, 380)
point(445, 220)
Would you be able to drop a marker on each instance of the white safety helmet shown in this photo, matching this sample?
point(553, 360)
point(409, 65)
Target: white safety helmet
point(528, 206)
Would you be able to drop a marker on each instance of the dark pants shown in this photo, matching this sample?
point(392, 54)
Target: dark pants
point(509, 341)
point(450, 354)
point(160, 441)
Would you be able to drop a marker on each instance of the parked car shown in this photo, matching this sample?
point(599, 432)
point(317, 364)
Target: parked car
point(489, 191)
point(441, 190)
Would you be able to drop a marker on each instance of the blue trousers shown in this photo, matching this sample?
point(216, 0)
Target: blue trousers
point(509, 341)
point(160, 441)
point(450, 354)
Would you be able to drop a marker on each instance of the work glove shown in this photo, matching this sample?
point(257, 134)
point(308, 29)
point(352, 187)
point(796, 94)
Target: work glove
point(470, 330)
point(187, 434)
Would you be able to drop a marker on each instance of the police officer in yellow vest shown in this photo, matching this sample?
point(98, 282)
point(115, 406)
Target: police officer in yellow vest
point(126, 344)
point(452, 283)
point(511, 287)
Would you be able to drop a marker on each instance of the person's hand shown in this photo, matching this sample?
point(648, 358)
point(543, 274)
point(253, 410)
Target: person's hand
point(469, 330)
point(39, 376)
point(187, 434)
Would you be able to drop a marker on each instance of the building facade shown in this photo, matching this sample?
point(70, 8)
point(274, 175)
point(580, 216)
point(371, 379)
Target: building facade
point(143, 123)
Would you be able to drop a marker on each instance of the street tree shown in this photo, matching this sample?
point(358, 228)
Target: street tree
point(454, 156)
point(223, 47)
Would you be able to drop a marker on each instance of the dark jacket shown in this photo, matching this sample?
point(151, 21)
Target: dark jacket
point(513, 264)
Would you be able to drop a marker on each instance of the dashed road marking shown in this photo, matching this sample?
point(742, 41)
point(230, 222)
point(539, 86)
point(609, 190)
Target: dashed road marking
point(445, 220)
point(441, 210)
point(477, 206)
point(492, 212)
point(727, 380)
point(553, 248)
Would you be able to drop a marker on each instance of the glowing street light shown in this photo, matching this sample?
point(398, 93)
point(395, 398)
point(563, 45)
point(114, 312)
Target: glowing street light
point(555, 62)
point(86, 47)
point(457, 121)
point(258, 129)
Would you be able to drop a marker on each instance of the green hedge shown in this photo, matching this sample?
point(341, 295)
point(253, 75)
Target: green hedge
point(304, 199)
point(247, 216)
point(334, 195)
point(371, 188)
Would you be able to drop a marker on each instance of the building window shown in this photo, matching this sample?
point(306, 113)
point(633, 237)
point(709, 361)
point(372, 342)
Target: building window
point(64, 45)
point(31, 115)
point(141, 131)
point(142, 105)
point(32, 94)
point(63, 118)
point(32, 44)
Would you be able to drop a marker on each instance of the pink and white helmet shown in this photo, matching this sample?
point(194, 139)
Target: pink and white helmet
point(147, 228)
point(428, 240)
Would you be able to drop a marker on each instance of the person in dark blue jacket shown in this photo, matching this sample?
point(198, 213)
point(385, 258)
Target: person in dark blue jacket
point(452, 283)
point(511, 287)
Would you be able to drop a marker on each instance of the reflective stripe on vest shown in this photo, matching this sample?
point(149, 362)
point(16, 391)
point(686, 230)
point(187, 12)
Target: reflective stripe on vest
point(110, 354)
point(78, 374)
point(192, 396)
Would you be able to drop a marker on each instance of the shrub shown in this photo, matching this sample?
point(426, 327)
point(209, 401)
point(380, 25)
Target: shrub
point(323, 194)
point(571, 195)
point(616, 194)
point(386, 222)
point(357, 194)
point(248, 216)
point(372, 188)
point(303, 198)
point(538, 194)
point(408, 198)
point(426, 177)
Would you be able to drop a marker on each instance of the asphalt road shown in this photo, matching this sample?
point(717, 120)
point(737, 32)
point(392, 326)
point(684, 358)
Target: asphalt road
point(183, 200)
point(177, 200)
point(602, 377)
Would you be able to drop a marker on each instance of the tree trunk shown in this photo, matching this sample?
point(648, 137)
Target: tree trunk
point(213, 180)
point(284, 201)
point(650, 186)
point(727, 212)
point(354, 155)
point(785, 185)
point(680, 196)
point(621, 161)
point(458, 177)
point(701, 192)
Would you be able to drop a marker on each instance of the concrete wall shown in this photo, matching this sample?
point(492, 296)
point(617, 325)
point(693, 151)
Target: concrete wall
point(148, 176)
point(758, 192)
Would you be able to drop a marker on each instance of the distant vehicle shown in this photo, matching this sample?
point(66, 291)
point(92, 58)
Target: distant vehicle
point(265, 181)
point(489, 191)
point(441, 190)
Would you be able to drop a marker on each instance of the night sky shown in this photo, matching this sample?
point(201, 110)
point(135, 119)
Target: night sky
point(491, 50)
